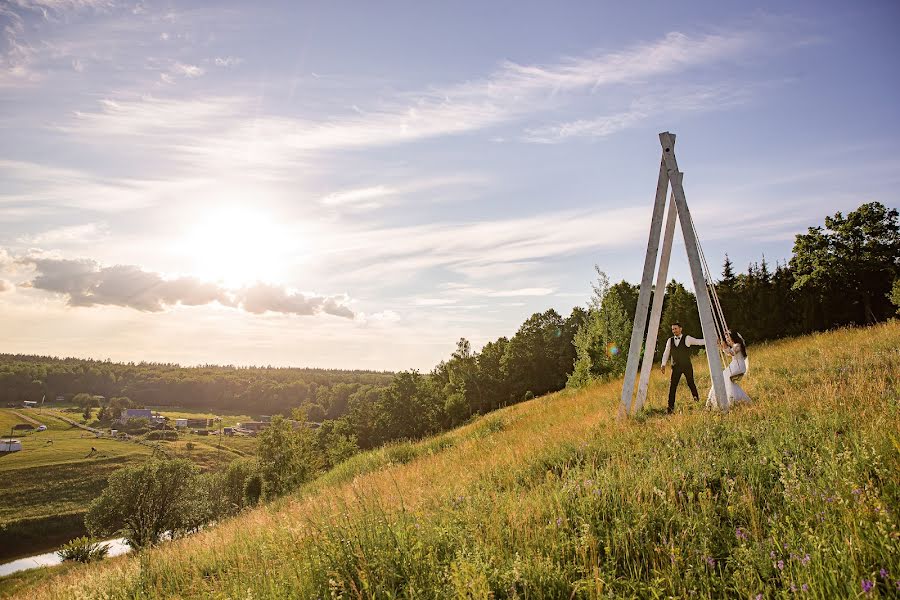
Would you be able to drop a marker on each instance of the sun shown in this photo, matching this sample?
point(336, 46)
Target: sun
point(238, 246)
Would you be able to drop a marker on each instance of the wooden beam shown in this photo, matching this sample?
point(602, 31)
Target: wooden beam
point(643, 304)
point(667, 140)
point(659, 292)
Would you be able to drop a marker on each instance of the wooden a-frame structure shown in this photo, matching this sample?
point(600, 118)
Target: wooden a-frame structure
point(678, 210)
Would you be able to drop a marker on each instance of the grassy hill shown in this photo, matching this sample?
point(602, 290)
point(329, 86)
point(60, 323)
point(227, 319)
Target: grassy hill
point(556, 498)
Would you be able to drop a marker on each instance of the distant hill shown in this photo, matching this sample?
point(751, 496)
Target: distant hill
point(555, 498)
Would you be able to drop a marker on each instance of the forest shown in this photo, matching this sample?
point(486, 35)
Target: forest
point(844, 272)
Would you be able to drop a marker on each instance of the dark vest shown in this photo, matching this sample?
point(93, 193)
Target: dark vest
point(681, 354)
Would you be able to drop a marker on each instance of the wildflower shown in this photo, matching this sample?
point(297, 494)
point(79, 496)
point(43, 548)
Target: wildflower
point(740, 534)
point(805, 587)
point(867, 585)
point(558, 521)
point(805, 560)
point(793, 587)
point(710, 561)
point(772, 554)
point(884, 574)
point(759, 597)
point(780, 565)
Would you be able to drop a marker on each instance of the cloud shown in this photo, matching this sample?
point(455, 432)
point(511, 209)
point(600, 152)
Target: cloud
point(189, 71)
point(5, 285)
point(486, 249)
point(360, 197)
point(262, 297)
point(87, 283)
point(227, 61)
point(676, 100)
point(89, 232)
point(225, 130)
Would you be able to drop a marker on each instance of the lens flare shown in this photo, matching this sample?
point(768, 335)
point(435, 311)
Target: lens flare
point(612, 349)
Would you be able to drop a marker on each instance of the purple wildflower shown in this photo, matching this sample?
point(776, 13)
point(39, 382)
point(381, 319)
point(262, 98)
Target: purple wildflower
point(805, 587)
point(883, 573)
point(740, 534)
point(772, 554)
point(759, 597)
point(558, 521)
point(793, 587)
point(710, 561)
point(805, 560)
point(780, 565)
point(867, 585)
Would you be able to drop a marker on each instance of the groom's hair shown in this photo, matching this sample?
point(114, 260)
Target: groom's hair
point(675, 324)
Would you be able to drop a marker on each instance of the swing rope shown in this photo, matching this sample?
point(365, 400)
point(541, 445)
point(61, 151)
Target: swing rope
point(718, 314)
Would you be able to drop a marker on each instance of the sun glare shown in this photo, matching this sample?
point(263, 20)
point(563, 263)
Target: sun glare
point(238, 246)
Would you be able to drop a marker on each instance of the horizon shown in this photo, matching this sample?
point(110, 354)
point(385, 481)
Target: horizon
point(357, 189)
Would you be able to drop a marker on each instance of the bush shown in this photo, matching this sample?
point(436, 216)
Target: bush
point(163, 435)
point(83, 549)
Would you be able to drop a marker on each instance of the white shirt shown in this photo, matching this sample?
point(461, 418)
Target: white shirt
point(686, 339)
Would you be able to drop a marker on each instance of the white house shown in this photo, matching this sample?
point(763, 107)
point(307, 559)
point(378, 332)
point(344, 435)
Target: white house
point(10, 445)
point(181, 423)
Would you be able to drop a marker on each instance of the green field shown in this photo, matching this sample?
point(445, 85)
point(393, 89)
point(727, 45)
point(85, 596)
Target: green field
point(50, 482)
point(796, 494)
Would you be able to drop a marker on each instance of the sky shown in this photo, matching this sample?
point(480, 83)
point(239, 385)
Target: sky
point(358, 185)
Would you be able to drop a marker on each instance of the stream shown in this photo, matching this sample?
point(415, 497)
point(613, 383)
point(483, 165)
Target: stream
point(117, 546)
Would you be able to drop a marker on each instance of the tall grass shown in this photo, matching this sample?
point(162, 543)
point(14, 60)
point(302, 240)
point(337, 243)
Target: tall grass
point(796, 494)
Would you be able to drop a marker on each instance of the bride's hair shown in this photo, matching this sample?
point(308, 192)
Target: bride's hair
point(738, 339)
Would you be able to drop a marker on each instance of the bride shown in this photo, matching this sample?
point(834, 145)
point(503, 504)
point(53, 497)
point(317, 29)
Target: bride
point(735, 347)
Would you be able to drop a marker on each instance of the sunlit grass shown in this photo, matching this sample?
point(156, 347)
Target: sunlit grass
point(555, 498)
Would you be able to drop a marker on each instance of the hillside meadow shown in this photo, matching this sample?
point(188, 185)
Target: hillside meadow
point(796, 494)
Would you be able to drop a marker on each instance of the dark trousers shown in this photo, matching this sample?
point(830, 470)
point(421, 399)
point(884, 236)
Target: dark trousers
point(677, 372)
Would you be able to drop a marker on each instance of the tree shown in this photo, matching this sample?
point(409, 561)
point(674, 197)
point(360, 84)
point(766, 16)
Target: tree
point(895, 295)
point(533, 357)
point(602, 341)
point(286, 455)
point(856, 257)
point(144, 502)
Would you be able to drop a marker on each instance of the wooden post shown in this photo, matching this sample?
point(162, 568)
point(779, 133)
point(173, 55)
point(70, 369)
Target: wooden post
point(659, 292)
point(640, 315)
point(690, 243)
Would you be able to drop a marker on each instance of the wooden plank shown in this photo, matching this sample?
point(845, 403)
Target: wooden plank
point(659, 292)
point(643, 304)
point(667, 140)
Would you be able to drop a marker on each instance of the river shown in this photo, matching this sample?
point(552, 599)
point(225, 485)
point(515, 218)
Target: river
point(117, 546)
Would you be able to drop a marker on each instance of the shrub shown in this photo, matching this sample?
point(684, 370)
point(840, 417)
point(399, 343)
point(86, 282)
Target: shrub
point(163, 435)
point(83, 549)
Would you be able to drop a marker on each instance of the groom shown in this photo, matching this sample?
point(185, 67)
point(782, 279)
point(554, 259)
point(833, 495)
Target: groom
point(678, 346)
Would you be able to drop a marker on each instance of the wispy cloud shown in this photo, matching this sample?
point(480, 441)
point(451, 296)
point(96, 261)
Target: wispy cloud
point(85, 282)
point(220, 130)
point(367, 197)
point(186, 70)
point(677, 100)
point(88, 232)
point(483, 248)
point(30, 188)
point(376, 196)
point(227, 61)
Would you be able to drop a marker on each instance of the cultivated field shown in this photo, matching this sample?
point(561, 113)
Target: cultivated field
point(50, 482)
point(555, 498)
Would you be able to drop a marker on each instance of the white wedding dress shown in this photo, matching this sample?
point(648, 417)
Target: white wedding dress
point(737, 367)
